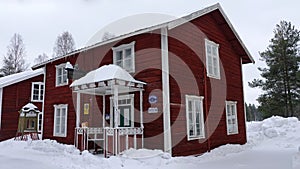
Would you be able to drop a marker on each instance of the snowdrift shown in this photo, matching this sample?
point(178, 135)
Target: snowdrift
point(273, 143)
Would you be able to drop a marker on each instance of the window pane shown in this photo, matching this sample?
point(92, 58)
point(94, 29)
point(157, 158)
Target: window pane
point(233, 109)
point(128, 53)
point(59, 71)
point(119, 63)
point(119, 56)
point(59, 80)
point(228, 110)
point(127, 64)
point(41, 93)
point(190, 105)
point(214, 50)
point(65, 77)
point(215, 65)
point(208, 48)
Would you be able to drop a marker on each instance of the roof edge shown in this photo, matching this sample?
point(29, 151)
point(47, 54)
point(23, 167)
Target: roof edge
point(18, 79)
point(170, 25)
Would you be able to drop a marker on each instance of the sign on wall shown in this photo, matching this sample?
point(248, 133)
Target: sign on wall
point(86, 109)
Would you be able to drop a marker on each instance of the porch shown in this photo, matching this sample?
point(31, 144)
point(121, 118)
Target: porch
point(119, 128)
point(109, 141)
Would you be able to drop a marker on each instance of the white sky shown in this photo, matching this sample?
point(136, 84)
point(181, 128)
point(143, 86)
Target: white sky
point(41, 21)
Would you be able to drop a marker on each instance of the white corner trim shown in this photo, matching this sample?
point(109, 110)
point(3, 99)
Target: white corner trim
point(244, 102)
point(166, 90)
point(1, 94)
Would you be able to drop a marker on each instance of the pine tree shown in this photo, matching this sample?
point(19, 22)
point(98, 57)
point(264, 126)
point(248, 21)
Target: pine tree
point(64, 44)
point(281, 77)
point(13, 61)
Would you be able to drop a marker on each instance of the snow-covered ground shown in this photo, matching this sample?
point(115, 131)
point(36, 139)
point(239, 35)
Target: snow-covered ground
point(272, 144)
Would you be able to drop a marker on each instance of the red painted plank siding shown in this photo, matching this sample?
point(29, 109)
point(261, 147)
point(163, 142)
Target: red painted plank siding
point(186, 43)
point(14, 98)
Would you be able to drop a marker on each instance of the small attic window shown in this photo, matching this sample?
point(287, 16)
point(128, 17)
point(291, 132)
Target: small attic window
point(124, 56)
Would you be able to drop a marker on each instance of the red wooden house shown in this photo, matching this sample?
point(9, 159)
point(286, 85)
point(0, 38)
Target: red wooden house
point(177, 87)
point(15, 92)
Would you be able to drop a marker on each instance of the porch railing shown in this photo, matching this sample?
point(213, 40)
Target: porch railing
point(114, 140)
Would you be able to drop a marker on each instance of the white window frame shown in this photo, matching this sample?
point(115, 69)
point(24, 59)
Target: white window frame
point(61, 67)
point(59, 133)
point(40, 122)
point(231, 115)
point(40, 95)
point(123, 48)
point(122, 97)
point(195, 99)
point(215, 59)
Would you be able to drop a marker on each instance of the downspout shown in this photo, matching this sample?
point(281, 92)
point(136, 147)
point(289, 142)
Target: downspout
point(43, 104)
point(245, 115)
point(206, 110)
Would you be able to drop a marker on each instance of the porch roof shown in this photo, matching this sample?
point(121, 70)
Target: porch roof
point(102, 80)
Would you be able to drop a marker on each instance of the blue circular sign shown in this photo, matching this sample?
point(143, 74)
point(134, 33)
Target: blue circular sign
point(152, 99)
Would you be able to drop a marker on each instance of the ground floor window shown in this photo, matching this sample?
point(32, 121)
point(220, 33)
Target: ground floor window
point(194, 117)
point(60, 120)
point(231, 117)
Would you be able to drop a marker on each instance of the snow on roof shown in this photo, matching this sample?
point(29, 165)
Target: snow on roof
point(30, 107)
point(169, 24)
point(18, 77)
point(105, 73)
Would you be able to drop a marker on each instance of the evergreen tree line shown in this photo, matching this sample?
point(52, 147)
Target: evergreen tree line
point(280, 80)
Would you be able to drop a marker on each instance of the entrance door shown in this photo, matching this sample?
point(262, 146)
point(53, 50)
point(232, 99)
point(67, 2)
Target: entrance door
point(126, 110)
point(125, 116)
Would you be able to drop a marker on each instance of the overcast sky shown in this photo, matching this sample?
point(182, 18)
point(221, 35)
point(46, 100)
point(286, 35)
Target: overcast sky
point(40, 21)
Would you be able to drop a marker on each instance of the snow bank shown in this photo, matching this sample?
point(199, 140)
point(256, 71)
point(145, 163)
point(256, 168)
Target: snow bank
point(272, 128)
point(272, 143)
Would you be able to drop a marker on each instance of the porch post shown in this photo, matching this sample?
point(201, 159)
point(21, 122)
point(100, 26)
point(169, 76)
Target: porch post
point(103, 111)
point(141, 116)
point(116, 111)
point(77, 109)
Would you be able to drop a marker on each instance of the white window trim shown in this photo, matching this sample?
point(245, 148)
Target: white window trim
point(63, 65)
point(40, 123)
point(32, 91)
point(121, 97)
point(123, 47)
point(209, 74)
point(200, 98)
point(236, 124)
point(60, 106)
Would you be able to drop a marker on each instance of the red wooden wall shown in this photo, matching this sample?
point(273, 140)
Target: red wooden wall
point(187, 76)
point(14, 98)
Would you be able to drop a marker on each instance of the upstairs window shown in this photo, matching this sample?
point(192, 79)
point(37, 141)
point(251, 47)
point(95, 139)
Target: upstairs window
point(60, 120)
point(194, 116)
point(123, 56)
point(231, 118)
point(37, 91)
point(212, 59)
point(61, 75)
